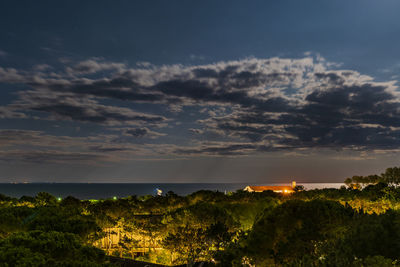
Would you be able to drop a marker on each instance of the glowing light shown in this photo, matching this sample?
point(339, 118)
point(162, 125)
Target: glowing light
point(59, 198)
point(115, 198)
point(158, 192)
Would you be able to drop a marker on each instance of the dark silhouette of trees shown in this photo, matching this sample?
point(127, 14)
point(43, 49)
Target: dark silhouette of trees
point(392, 176)
point(39, 248)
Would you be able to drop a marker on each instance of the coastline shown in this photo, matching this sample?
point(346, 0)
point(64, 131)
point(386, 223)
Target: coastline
point(108, 190)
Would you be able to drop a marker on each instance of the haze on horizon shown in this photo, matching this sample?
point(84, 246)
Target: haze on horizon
point(206, 91)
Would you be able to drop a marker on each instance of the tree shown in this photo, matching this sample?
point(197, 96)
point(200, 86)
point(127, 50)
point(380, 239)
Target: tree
point(374, 261)
point(358, 182)
point(45, 199)
point(49, 218)
point(190, 243)
point(392, 176)
point(39, 248)
point(297, 228)
point(198, 231)
point(376, 235)
point(12, 219)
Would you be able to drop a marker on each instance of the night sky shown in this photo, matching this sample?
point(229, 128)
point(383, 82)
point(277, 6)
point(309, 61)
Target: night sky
point(198, 91)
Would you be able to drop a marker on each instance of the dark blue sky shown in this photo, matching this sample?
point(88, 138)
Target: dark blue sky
point(193, 91)
point(361, 34)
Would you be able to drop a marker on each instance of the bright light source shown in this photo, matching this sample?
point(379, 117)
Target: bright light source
point(59, 198)
point(115, 198)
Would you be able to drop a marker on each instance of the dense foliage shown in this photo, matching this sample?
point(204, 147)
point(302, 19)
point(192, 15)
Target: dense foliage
point(38, 248)
point(354, 226)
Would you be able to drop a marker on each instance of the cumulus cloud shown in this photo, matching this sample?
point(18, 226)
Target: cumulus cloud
point(256, 105)
point(11, 75)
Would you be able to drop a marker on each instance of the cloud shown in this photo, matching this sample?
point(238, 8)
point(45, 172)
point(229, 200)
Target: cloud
point(94, 65)
point(195, 131)
point(39, 147)
point(9, 113)
point(41, 157)
point(247, 82)
point(68, 107)
point(360, 116)
point(141, 133)
point(221, 150)
point(254, 105)
point(11, 75)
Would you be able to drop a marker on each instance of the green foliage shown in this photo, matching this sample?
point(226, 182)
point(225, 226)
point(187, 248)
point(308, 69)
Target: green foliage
point(297, 228)
point(45, 199)
point(190, 244)
point(62, 220)
point(358, 182)
point(374, 261)
point(12, 219)
point(328, 227)
point(370, 235)
point(39, 248)
point(392, 175)
point(246, 211)
point(208, 227)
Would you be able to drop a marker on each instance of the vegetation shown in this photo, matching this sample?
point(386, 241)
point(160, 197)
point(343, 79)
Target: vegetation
point(37, 248)
point(354, 226)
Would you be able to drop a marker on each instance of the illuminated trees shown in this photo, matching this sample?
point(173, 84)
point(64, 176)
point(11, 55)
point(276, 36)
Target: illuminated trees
point(197, 232)
point(328, 227)
point(189, 243)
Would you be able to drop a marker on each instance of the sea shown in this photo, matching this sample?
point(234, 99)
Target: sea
point(120, 190)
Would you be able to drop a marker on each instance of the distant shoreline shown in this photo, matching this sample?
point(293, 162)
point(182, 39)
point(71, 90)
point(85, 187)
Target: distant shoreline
point(109, 190)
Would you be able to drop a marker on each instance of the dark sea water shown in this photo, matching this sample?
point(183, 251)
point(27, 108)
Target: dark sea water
point(105, 190)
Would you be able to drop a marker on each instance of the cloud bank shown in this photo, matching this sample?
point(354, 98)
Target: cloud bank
point(242, 107)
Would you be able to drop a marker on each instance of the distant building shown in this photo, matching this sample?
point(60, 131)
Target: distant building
point(158, 192)
point(276, 189)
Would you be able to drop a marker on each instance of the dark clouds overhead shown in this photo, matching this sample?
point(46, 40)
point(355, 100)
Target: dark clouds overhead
point(73, 107)
point(263, 105)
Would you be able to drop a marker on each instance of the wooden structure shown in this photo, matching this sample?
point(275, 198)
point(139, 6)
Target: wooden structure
point(111, 242)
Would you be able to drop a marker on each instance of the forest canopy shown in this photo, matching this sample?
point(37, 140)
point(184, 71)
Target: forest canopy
point(357, 225)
